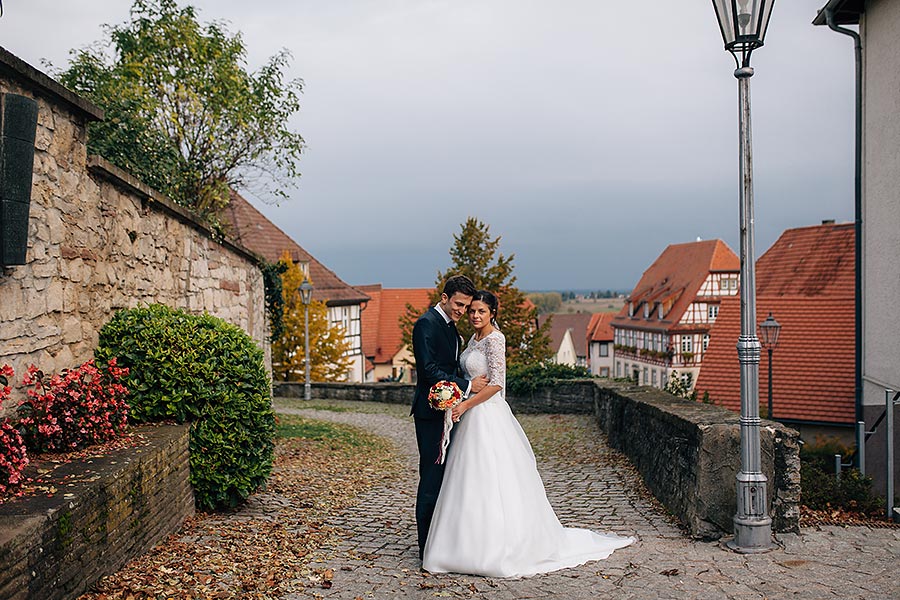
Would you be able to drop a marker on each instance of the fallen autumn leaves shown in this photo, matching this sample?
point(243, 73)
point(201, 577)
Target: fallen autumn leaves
point(263, 549)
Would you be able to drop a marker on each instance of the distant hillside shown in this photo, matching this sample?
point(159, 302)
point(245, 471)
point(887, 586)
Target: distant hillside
point(569, 301)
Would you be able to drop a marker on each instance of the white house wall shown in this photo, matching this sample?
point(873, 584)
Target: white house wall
point(880, 238)
point(348, 317)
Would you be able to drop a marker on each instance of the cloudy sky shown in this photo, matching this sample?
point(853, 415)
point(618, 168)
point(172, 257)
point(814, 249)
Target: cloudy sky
point(589, 134)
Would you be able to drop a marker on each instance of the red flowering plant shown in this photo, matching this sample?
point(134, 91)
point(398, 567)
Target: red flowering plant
point(77, 408)
point(13, 456)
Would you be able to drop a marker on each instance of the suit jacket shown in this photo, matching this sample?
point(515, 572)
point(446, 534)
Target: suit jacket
point(436, 349)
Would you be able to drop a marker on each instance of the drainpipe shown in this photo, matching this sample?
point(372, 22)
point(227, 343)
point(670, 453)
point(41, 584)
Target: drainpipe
point(857, 190)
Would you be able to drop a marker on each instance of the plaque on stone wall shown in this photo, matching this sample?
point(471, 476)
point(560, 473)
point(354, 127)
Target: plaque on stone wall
point(19, 124)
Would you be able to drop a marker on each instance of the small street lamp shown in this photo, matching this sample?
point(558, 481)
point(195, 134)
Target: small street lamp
point(768, 335)
point(743, 25)
point(306, 290)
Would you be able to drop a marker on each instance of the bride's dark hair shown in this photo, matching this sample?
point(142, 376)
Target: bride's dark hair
point(492, 303)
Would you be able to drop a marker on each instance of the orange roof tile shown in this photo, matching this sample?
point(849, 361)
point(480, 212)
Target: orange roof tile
point(673, 280)
point(809, 261)
point(577, 322)
point(806, 280)
point(812, 366)
point(257, 233)
point(600, 328)
point(381, 334)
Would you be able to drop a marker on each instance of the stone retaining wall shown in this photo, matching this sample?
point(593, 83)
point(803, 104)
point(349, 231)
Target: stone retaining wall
point(99, 513)
point(99, 240)
point(564, 398)
point(688, 453)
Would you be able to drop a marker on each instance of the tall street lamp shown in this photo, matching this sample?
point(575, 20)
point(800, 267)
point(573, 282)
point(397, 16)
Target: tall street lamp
point(306, 290)
point(768, 334)
point(743, 24)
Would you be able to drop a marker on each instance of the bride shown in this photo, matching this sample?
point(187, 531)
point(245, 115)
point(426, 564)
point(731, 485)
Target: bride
point(492, 516)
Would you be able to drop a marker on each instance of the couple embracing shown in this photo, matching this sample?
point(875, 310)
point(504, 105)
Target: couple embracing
point(485, 511)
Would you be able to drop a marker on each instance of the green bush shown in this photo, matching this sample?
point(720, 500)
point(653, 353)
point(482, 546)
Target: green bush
point(819, 488)
point(526, 379)
point(202, 370)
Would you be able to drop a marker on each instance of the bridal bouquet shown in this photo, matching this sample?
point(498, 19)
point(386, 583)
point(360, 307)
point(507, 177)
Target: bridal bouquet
point(444, 395)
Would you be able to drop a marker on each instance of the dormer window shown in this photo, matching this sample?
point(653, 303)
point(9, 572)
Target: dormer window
point(631, 309)
point(660, 311)
point(646, 310)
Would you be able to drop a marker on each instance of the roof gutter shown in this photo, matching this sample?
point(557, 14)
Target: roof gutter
point(830, 20)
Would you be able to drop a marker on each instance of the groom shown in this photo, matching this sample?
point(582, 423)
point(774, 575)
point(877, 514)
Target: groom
point(436, 347)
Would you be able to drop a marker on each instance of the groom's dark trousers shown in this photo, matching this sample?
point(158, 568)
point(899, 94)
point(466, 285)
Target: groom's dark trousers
point(436, 346)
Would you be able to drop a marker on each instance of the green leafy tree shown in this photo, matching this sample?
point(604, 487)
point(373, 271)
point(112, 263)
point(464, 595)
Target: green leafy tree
point(328, 346)
point(476, 254)
point(182, 113)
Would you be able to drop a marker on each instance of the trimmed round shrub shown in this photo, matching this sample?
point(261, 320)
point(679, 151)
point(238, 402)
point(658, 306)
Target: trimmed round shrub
point(203, 370)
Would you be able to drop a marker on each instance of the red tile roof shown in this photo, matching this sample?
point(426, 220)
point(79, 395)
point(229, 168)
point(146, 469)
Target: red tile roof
point(812, 366)
point(674, 280)
point(381, 334)
point(254, 231)
point(809, 261)
point(806, 281)
point(600, 328)
point(577, 322)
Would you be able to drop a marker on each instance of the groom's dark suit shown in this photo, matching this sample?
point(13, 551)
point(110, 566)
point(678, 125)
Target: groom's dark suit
point(436, 346)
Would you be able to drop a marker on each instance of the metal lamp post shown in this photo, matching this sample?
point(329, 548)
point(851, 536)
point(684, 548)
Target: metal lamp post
point(768, 334)
point(743, 24)
point(306, 290)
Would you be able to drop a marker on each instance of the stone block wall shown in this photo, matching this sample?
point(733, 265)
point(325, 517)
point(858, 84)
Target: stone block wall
point(101, 514)
point(564, 398)
point(99, 240)
point(389, 392)
point(688, 453)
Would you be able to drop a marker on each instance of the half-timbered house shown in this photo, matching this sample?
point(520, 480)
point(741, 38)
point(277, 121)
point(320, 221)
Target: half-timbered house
point(663, 328)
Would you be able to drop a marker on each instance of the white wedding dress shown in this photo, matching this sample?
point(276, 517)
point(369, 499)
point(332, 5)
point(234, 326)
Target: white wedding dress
point(492, 516)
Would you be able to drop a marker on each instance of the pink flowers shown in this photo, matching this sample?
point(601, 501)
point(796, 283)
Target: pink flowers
point(13, 457)
point(77, 408)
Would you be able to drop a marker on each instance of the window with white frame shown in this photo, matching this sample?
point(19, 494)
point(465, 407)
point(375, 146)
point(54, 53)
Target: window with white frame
point(687, 343)
point(706, 342)
point(712, 311)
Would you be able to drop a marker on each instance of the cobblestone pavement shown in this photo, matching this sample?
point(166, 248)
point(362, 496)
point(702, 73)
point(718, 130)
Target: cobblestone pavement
point(376, 554)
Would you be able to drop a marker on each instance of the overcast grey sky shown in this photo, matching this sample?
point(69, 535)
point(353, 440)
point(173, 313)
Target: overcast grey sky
point(589, 134)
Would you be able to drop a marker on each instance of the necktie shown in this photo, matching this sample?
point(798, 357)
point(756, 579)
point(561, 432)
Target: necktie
point(455, 336)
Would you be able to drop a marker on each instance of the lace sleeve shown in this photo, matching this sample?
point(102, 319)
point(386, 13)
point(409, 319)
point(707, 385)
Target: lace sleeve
point(495, 349)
